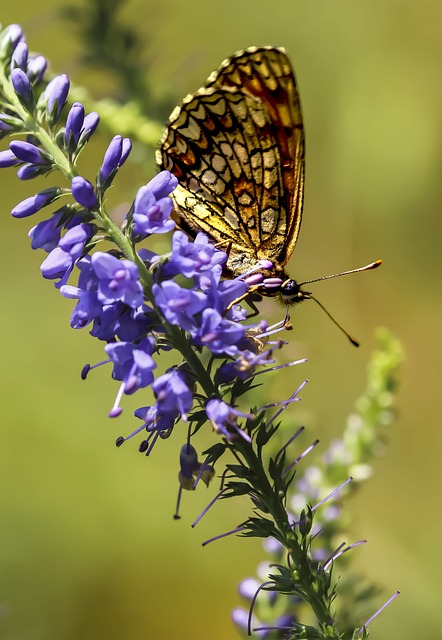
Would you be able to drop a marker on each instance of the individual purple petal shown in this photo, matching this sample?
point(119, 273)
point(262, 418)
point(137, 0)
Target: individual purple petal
point(35, 203)
point(22, 86)
point(56, 94)
point(127, 147)
point(61, 260)
point(74, 125)
point(84, 193)
point(36, 69)
point(163, 184)
point(27, 152)
point(8, 159)
point(87, 308)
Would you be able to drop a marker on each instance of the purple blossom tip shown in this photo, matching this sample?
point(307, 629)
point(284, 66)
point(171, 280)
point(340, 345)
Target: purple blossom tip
point(11, 37)
point(56, 94)
point(114, 413)
point(163, 184)
point(27, 152)
point(22, 86)
point(84, 193)
point(35, 203)
point(74, 125)
point(8, 159)
point(20, 56)
point(36, 69)
point(111, 161)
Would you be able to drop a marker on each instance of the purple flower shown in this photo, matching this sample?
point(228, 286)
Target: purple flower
point(118, 280)
point(133, 363)
point(151, 215)
point(29, 171)
point(154, 420)
point(35, 203)
point(84, 193)
point(224, 419)
point(87, 308)
point(217, 334)
point(116, 154)
point(55, 94)
point(177, 304)
point(163, 184)
point(191, 468)
point(89, 125)
point(8, 159)
point(173, 393)
point(13, 34)
point(46, 234)
point(27, 152)
point(191, 258)
point(74, 125)
point(61, 260)
point(36, 69)
point(20, 56)
point(22, 86)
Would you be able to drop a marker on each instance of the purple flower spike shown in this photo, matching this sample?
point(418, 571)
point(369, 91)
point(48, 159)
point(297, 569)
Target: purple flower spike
point(163, 184)
point(20, 56)
point(74, 125)
point(84, 193)
point(35, 203)
point(56, 93)
point(36, 69)
point(8, 159)
point(22, 86)
point(27, 152)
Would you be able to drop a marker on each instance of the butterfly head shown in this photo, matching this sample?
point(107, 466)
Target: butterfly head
point(290, 292)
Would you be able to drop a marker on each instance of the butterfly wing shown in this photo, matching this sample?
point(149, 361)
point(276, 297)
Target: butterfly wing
point(237, 149)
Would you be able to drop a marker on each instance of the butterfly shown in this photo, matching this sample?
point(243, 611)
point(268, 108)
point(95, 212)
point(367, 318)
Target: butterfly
point(237, 149)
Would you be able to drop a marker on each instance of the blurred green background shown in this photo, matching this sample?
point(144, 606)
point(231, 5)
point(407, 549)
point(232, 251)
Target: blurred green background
point(88, 547)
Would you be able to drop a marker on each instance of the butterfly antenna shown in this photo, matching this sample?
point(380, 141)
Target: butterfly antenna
point(372, 265)
point(338, 324)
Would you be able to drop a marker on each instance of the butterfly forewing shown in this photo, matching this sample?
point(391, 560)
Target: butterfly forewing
point(237, 149)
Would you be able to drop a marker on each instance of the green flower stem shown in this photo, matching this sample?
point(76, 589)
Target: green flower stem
point(306, 581)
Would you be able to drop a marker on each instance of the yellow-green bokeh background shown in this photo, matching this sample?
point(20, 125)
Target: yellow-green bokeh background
point(88, 547)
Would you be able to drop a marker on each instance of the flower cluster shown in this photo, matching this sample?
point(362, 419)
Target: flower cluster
point(140, 304)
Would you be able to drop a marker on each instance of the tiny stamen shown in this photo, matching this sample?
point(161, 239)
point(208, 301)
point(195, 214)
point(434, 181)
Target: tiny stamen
point(333, 493)
point(224, 535)
point(299, 458)
point(395, 595)
point(339, 552)
point(206, 509)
